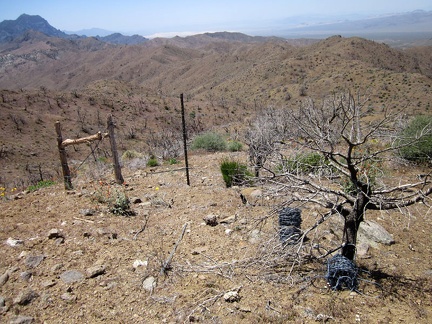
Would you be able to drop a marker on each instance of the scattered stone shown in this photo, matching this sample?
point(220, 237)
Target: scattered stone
point(231, 296)
point(59, 240)
point(228, 220)
point(371, 232)
point(228, 231)
point(199, 250)
point(55, 268)
point(68, 297)
point(149, 284)
point(139, 263)
point(136, 200)
point(243, 221)
point(26, 275)
point(211, 220)
point(25, 297)
point(32, 261)
point(2, 302)
point(105, 232)
point(4, 278)
point(71, 276)
point(22, 320)
point(49, 283)
point(95, 271)
point(87, 212)
point(254, 236)
point(14, 242)
point(54, 234)
point(251, 196)
point(22, 254)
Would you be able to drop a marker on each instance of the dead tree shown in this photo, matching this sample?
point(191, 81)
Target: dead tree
point(354, 148)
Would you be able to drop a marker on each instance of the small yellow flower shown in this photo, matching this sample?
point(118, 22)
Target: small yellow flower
point(157, 188)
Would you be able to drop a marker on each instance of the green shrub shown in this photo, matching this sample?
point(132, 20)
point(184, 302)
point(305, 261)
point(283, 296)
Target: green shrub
point(234, 146)
point(119, 204)
point(40, 184)
point(303, 163)
point(419, 151)
point(172, 161)
point(209, 141)
point(152, 162)
point(234, 173)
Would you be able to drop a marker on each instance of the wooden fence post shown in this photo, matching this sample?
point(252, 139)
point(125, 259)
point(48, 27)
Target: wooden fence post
point(184, 139)
point(117, 168)
point(63, 158)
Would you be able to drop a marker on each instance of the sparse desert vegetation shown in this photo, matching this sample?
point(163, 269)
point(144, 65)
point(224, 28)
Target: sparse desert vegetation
point(320, 126)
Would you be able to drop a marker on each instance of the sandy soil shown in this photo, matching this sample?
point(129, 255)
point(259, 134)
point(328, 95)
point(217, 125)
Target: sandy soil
point(234, 272)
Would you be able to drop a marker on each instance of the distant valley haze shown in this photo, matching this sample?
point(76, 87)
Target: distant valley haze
point(168, 18)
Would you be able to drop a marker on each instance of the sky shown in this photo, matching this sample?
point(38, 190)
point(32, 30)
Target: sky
point(164, 17)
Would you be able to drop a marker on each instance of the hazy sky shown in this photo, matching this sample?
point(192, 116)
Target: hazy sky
point(147, 17)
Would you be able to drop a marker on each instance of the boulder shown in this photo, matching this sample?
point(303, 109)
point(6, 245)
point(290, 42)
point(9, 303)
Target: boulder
point(371, 233)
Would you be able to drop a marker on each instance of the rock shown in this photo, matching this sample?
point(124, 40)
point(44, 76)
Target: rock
point(210, 219)
point(25, 275)
point(106, 232)
point(136, 200)
point(25, 297)
point(32, 261)
point(68, 297)
point(14, 242)
point(228, 220)
point(2, 302)
point(54, 234)
point(71, 276)
point(95, 271)
point(22, 320)
point(4, 278)
point(232, 296)
point(49, 283)
point(251, 196)
point(199, 250)
point(149, 283)
point(87, 212)
point(139, 263)
point(59, 240)
point(254, 236)
point(371, 233)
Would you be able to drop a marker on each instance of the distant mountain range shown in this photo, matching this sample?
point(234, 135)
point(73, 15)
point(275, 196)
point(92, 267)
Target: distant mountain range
point(12, 29)
point(416, 24)
point(418, 21)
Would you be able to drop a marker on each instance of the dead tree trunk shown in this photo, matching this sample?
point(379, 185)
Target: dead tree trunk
point(352, 222)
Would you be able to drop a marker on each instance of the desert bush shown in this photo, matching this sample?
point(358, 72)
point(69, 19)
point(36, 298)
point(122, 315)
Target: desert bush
point(119, 204)
point(131, 154)
point(415, 140)
point(40, 184)
point(234, 146)
point(234, 173)
point(303, 163)
point(152, 161)
point(210, 142)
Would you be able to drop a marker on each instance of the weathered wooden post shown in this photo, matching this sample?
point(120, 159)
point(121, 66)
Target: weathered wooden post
point(63, 158)
point(117, 168)
point(185, 139)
